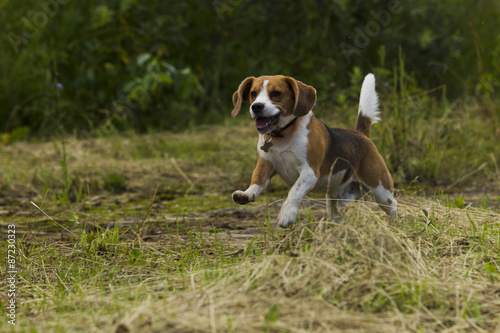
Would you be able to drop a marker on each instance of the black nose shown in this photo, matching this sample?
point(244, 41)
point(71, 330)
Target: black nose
point(257, 107)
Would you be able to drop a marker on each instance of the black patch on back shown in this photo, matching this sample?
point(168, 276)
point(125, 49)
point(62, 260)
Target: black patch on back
point(348, 146)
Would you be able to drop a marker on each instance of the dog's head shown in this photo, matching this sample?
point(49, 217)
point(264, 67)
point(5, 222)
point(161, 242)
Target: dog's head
point(274, 100)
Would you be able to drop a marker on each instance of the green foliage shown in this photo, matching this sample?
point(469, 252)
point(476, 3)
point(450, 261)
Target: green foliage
point(120, 64)
point(16, 134)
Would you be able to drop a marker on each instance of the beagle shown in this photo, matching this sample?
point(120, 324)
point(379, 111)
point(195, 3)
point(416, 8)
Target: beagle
point(306, 153)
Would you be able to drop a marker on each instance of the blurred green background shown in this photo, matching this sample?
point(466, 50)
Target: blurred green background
point(72, 66)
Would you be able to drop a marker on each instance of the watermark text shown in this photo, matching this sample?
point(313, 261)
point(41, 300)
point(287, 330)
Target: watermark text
point(31, 24)
point(11, 274)
point(363, 36)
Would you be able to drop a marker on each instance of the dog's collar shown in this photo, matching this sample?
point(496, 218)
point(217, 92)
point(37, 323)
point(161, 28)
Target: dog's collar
point(276, 133)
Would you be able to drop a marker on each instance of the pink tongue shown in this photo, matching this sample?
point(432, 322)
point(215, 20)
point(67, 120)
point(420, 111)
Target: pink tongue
point(261, 122)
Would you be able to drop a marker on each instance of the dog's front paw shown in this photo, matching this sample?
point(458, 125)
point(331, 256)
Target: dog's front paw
point(287, 217)
point(241, 197)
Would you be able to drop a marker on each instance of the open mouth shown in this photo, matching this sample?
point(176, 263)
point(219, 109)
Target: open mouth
point(265, 124)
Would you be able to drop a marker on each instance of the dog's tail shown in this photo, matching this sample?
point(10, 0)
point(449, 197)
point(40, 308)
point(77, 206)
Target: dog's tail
point(368, 113)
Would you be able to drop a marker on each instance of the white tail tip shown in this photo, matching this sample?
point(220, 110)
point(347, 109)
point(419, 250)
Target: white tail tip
point(368, 99)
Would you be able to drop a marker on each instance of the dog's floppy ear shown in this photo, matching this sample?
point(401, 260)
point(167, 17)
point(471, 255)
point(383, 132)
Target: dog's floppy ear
point(241, 94)
point(305, 96)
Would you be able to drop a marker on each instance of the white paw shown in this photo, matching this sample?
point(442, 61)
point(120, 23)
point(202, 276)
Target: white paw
point(241, 197)
point(287, 217)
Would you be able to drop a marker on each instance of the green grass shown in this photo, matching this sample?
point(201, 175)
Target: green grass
point(429, 272)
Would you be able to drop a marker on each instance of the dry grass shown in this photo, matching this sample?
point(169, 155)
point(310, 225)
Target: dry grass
point(145, 160)
point(431, 272)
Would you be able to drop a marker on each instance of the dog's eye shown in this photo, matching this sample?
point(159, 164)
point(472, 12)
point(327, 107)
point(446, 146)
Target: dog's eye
point(253, 94)
point(275, 94)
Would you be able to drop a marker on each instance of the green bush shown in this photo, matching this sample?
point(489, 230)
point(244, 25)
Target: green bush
point(89, 66)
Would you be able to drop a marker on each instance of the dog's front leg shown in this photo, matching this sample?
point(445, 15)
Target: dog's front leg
point(260, 179)
point(305, 183)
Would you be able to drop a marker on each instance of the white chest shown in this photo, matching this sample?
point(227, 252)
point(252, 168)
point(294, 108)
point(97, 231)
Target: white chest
point(288, 157)
point(287, 164)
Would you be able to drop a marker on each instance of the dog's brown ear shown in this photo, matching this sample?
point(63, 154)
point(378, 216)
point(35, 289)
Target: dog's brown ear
point(305, 96)
point(241, 94)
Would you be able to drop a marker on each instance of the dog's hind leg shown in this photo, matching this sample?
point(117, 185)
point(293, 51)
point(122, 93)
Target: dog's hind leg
point(374, 176)
point(386, 201)
point(331, 207)
point(349, 193)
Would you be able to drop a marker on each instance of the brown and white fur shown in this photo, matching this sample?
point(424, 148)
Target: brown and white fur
point(306, 153)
